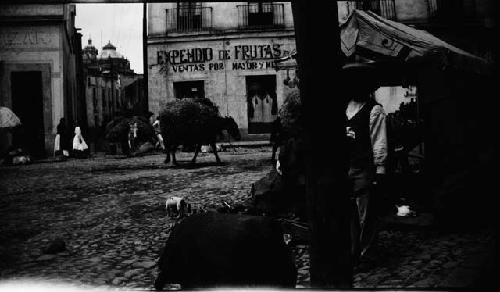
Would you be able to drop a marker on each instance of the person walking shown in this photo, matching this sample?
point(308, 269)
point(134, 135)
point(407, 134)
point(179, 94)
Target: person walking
point(80, 148)
point(62, 139)
point(275, 137)
point(367, 139)
point(159, 137)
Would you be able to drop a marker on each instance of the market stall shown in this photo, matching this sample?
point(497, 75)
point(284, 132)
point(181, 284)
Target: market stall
point(452, 86)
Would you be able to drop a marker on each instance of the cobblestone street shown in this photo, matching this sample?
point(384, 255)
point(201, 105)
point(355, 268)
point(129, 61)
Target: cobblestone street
point(110, 213)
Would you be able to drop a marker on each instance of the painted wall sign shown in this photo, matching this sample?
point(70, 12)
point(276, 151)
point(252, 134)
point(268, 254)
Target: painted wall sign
point(24, 39)
point(241, 57)
point(194, 55)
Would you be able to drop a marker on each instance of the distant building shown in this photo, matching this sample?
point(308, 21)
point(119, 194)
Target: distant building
point(224, 52)
point(40, 73)
point(133, 96)
point(108, 74)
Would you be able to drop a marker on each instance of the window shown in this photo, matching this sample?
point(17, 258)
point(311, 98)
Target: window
point(103, 97)
point(117, 98)
point(189, 16)
point(384, 8)
point(189, 89)
point(259, 14)
point(454, 10)
point(94, 99)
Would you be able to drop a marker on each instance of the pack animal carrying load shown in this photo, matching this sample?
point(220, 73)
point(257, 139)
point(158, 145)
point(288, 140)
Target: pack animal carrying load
point(193, 122)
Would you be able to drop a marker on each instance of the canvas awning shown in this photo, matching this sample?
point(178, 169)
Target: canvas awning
point(287, 62)
point(367, 30)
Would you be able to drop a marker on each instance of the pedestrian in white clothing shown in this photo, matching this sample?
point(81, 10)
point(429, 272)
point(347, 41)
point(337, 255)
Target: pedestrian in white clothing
point(79, 145)
point(156, 127)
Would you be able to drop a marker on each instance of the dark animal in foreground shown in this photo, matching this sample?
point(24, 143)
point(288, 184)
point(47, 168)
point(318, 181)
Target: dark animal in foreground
point(211, 250)
point(193, 122)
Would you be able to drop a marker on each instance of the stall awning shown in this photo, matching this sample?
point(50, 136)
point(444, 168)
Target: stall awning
point(366, 30)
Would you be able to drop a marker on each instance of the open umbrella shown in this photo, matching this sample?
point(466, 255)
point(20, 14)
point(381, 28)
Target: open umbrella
point(8, 118)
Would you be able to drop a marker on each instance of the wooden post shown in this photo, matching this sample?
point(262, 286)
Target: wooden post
point(319, 59)
point(145, 102)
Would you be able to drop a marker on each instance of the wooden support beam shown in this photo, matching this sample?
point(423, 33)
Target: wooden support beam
point(319, 60)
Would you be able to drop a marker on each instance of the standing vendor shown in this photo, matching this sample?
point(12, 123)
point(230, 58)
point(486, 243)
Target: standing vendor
point(367, 138)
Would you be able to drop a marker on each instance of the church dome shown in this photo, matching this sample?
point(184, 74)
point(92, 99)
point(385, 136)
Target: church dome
point(89, 49)
point(109, 46)
point(109, 51)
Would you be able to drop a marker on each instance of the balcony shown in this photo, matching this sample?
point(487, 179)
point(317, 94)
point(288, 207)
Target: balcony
point(186, 20)
point(431, 12)
point(384, 8)
point(452, 11)
point(261, 16)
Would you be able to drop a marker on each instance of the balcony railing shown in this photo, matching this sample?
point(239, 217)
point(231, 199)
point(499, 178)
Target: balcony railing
point(189, 19)
point(384, 8)
point(452, 10)
point(261, 15)
point(437, 10)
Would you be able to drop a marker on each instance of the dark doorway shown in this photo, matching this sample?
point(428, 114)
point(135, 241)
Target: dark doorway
point(27, 103)
point(262, 103)
point(189, 89)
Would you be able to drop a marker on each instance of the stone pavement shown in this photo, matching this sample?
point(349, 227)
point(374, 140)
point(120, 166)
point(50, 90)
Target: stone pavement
point(417, 259)
point(110, 213)
point(259, 143)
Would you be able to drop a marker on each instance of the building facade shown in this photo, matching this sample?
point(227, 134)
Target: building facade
point(40, 71)
point(224, 52)
point(107, 80)
point(111, 89)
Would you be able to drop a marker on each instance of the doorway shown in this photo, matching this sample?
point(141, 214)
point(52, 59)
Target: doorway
point(27, 103)
point(262, 103)
point(189, 89)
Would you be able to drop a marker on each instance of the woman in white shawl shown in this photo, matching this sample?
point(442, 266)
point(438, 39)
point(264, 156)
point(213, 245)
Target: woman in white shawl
point(79, 145)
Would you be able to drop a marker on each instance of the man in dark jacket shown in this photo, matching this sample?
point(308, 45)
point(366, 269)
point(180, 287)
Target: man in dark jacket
point(367, 138)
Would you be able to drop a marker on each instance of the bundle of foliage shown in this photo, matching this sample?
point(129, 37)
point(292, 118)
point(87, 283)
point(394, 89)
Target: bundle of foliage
point(290, 114)
point(187, 120)
point(118, 129)
point(113, 135)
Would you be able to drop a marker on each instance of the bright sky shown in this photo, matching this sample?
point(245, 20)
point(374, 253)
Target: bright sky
point(119, 23)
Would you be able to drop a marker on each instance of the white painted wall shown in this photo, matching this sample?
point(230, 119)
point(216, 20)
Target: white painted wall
point(25, 43)
point(391, 97)
point(227, 87)
point(37, 45)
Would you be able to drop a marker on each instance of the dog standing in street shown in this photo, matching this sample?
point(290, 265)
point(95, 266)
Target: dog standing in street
point(177, 206)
